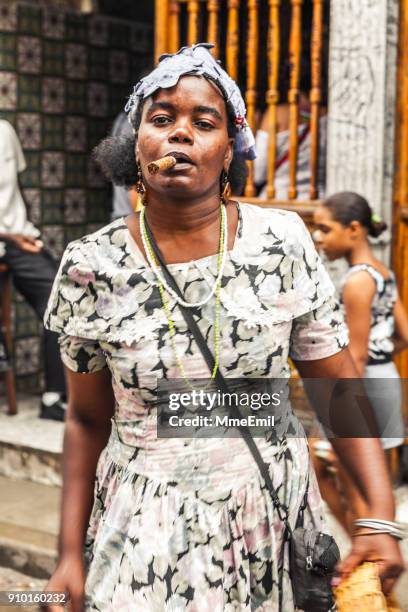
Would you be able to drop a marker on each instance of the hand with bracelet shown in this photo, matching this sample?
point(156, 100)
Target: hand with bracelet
point(375, 534)
point(366, 546)
point(369, 534)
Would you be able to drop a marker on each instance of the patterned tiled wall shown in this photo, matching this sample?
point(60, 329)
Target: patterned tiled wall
point(63, 79)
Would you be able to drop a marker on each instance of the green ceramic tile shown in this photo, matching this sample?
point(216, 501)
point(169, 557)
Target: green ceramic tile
point(29, 93)
point(138, 66)
point(10, 117)
point(53, 205)
point(118, 96)
point(119, 35)
point(76, 97)
point(98, 64)
point(75, 170)
point(28, 384)
point(97, 130)
point(26, 324)
point(76, 28)
point(53, 58)
point(31, 177)
point(8, 51)
point(53, 132)
point(29, 20)
point(98, 204)
point(74, 232)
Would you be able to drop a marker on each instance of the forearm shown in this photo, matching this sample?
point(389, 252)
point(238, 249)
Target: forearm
point(365, 462)
point(83, 443)
point(363, 457)
point(340, 399)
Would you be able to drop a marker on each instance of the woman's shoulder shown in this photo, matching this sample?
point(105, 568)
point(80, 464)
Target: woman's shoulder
point(280, 222)
point(277, 247)
point(267, 212)
point(100, 291)
point(104, 248)
point(111, 233)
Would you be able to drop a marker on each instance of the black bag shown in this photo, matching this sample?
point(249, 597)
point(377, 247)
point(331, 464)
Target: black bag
point(313, 554)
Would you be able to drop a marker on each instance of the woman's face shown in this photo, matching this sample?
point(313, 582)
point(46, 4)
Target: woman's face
point(331, 236)
point(189, 120)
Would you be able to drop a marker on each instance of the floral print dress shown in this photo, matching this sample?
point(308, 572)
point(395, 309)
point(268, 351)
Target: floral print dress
point(187, 524)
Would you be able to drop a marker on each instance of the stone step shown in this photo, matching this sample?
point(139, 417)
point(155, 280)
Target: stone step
point(29, 523)
point(11, 580)
point(30, 447)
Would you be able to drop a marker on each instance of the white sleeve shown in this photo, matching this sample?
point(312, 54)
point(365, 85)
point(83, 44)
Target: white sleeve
point(17, 151)
point(261, 159)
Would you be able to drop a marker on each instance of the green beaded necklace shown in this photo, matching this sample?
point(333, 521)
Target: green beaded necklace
point(166, 310)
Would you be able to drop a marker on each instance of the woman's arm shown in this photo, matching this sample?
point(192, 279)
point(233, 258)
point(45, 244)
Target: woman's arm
point(90, 408)
point(400, 338)
point(87, 428)
point(358, 295)
point(364, 460)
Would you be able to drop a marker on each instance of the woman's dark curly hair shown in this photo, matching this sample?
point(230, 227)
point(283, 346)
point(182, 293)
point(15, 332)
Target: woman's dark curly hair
point(116, 157)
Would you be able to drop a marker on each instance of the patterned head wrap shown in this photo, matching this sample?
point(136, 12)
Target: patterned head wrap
point(196, 60)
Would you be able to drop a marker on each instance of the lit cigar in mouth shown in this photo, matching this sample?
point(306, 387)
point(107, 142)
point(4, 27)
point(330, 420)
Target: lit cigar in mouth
point(164, 163)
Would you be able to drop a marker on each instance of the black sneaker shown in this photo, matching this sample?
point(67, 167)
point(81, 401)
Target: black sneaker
point(55, 411)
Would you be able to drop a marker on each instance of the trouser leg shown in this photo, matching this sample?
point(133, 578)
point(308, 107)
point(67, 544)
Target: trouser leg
point(33, 275)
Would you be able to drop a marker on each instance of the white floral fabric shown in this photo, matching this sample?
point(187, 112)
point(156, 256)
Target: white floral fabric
point(187, 524)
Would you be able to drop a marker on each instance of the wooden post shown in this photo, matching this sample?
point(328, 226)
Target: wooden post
point(361, 127)
point(213, 7)
point(400, 209)
point(233, 39)
point(272, 95)
point(174, 27)
point(251, 93)
point(193, 9)
point(161, 28)
point(295, 49)
point(315, 94)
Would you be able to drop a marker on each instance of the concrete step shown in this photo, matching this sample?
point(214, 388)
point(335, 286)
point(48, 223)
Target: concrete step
point(30, 447)
point(29, 523)
point(10, 580)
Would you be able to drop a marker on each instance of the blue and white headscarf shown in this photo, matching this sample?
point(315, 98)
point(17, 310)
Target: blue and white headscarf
point(196, 60)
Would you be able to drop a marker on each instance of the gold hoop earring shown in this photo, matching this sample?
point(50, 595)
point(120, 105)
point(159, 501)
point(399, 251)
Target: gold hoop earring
point(140, 186)
point(225, 188)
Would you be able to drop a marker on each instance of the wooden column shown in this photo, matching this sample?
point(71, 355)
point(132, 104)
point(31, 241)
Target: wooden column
point(161, 28)
point(251, 92)
point(315, 93)
point(400, 216)
point(213, 7)
point(193, 9)
point(361, 117)
point(174, 26)
point(233, 39)
point(295, 49)
point(272, 95)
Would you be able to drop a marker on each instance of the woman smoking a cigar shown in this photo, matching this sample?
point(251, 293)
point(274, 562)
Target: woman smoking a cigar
point(178, 523)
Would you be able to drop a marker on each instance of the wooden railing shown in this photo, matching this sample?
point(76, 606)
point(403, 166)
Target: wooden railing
point(236, 29)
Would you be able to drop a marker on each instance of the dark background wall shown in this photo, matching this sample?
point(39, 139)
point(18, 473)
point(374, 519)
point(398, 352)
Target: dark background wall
point(64, 76)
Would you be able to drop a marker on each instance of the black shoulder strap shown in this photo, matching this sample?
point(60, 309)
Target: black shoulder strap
point(222, 385)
